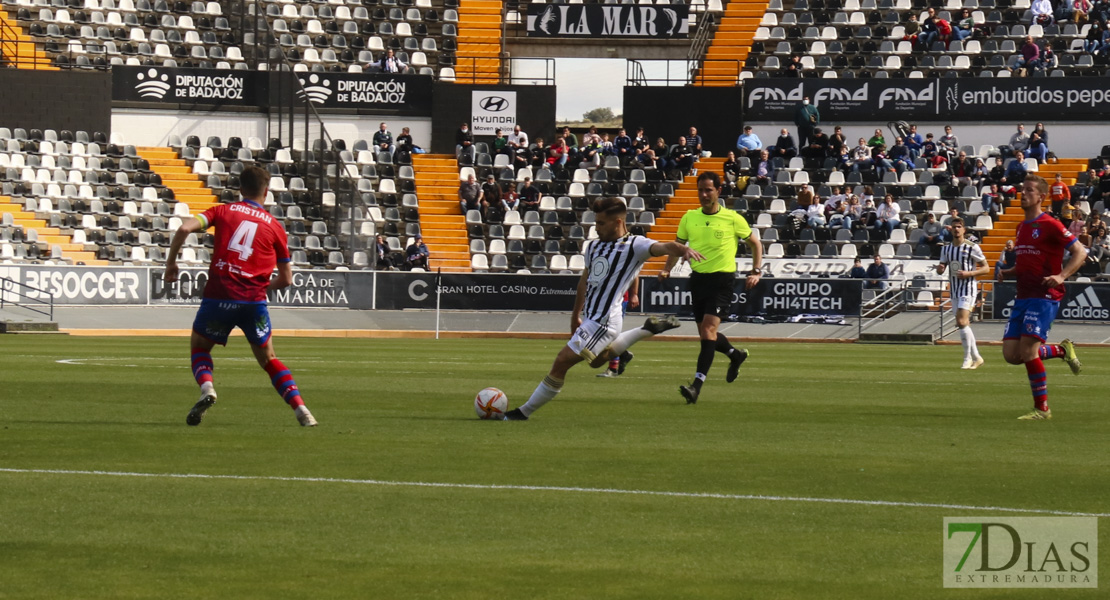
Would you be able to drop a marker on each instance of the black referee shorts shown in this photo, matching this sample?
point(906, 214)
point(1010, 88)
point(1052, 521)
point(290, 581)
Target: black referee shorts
point(711, 294)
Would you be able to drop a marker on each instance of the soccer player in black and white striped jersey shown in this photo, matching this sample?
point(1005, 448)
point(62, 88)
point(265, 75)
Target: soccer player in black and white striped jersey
point(613, 261)
point(964, 261)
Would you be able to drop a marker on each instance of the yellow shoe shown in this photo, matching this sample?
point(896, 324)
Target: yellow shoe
point(976, 363)
point(1037, 415)
point(1070, 357)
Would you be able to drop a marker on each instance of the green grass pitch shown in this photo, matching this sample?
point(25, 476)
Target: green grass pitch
point(823, 421)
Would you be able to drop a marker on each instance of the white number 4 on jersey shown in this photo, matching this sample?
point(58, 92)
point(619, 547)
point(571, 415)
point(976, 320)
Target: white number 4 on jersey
point(242, 241)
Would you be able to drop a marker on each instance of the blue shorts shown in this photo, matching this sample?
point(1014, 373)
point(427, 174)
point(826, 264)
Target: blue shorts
point(1031, 317)
point(216, 318)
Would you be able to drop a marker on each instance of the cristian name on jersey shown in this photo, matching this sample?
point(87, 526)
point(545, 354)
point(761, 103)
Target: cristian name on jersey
point(249, 244)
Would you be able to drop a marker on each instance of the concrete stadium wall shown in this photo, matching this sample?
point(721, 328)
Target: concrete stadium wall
point(58, 100)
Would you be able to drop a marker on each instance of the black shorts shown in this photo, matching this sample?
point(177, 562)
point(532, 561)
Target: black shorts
point(711, 294)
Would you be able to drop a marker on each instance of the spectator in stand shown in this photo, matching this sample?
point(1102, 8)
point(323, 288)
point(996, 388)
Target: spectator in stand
point(806, 117)
point(818, 146)
point(928, 148)
point(929, 33)
point(384, 260)
point(888, 215)
point(946, 222)
point(589, 153)
point(607, 146)
point(732, 174)
point(853, 213)
point(647, 159)
point(680, 157)
point(529, 196)
point(1093, 41)
point(470, 196)
point(932, 232)
point(491, 194)
point(390, 63)
point(404, 143)
point(1030, 56)
point(694, 142)
point(1059, 195)
point(1006, 260)
point(1038, 149)
point(510, 201)
point(1078, 227)
point(417, 255)
point(899, 156)
point(1100, 11)
point(1089, 192)
point(836, 141)
point(913, 142)
point(1100, 244)
point(948, 145)
point(570, 138)
point(1041, 131)
point(764, 173)
point(792, 67)
point(964, 26)
point(815, 215)
point(877, 139)
point(748, 142)
point(501, 143)
point(1019, 142)
point(912, 29)
point(1042, 12)
point(623, 147)
point(992, 201)
point(558, 153)
point(857, 272)
point(879, 159)
point(877, 274)
point(805, 197)
point(464, 141)
point(944, 31)
point(640, 142)
point(1015, 171)
point(1075, 11)
point(784, 147)
point(539, 153)
point(843, 160)
point(517, 145)
point(980, 175)
point(860, 157)
point(962, 169)
point(998, 176)
point(383, 139)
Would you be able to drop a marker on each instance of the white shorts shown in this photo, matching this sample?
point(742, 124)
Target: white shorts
point(591, 338)
point(964, 302)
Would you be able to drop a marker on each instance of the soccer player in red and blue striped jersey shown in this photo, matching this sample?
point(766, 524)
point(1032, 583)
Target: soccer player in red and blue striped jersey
point(249, 244)
point(1041, 242)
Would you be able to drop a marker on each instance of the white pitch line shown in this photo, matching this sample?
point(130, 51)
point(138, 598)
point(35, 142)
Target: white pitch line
point(545, 488)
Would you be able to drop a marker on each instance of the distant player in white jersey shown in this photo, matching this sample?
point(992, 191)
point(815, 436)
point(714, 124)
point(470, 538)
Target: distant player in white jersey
point(964, 261)
point(613, 261)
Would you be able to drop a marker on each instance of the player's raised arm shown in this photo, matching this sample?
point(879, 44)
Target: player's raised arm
point(674, 251)
point(190, 225)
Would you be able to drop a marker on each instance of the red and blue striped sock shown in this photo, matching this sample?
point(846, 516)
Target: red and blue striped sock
point(283, 383)
point(202, 366)
point(1038, 383)
point(1052, 351)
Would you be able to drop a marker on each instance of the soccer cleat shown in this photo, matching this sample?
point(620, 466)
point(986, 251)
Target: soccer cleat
point(304, 417)
point(1070, 357)
point(689, 392)
point(207, 399)
point(656, 325)
point(734, 368)
point(967, 363)
point(977, 362)
point(625, 358)
point(1037, 415)
point(515, 415)
point(608, 373)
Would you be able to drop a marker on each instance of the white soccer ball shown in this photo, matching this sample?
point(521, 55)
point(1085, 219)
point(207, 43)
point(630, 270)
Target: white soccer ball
point(491, 403)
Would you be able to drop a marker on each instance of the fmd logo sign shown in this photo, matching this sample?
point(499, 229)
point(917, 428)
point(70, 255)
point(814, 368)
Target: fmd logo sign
point(491, 110)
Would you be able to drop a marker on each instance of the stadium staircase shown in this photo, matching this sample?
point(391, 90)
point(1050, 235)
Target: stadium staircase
point(685, 198)
point(732, 42)
point(479, 42)
point(176, 175)
point(19, 49)
point(1006, 226)
point(441, 225)
point(50, 236)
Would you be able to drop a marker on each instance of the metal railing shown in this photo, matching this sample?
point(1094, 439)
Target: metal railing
point(35, 304)
point(661, 72)
point(885, 304)
point(10, 54)
point(702, 37)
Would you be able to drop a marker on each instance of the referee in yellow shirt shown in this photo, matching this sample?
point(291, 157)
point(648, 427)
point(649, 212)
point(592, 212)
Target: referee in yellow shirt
point(714, 231)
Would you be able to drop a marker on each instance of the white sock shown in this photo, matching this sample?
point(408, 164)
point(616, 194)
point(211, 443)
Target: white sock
point(544, 393)
point(626, 339)
point(207, 388)
point(971, 343)
point(964, 331)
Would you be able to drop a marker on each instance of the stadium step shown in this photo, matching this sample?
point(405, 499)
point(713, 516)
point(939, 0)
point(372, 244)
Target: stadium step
point(732, 40)
point(176, 175)
point(46, 237)
point(22, 50)
point(441, 225)
point(479, 40)
point(685, 198)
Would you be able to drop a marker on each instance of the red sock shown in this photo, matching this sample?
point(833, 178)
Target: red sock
point(1051, 351)
point(283, 382)
point(202, 366)
point(614, 364)
point(1038, 383)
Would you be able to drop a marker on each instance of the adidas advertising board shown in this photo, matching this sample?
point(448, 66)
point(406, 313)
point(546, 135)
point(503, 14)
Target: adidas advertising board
point(187, 86)
point(609, 21)
point(1082, 301)
point(771, 297)
point(961, 99)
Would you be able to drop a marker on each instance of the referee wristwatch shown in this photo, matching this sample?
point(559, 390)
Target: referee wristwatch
point(756, 271)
